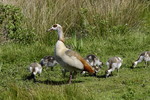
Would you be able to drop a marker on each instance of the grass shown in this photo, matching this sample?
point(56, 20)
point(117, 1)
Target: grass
point(104, 28)
point(130, 84)
point(84, 16)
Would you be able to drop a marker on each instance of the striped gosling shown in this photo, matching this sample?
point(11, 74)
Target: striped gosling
point(49, 61)
point(113, 63)
point(143, 56)
point(34, 69)
point(94, 62)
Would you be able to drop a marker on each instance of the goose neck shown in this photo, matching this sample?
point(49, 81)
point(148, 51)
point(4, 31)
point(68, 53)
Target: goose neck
point(60, 35)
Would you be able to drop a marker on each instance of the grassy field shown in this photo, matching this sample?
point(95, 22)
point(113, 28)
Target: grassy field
point(106, 35)
point(130, 84)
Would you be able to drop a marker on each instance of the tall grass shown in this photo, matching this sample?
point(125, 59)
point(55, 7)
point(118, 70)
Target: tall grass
point(100, 17)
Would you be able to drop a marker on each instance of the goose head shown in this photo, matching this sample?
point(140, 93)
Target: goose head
point(58, 28)
point(55, 27)
point(133, 64)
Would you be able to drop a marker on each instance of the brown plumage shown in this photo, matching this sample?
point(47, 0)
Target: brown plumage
point(87, 67)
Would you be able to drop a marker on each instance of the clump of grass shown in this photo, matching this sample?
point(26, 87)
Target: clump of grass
point(97, 18)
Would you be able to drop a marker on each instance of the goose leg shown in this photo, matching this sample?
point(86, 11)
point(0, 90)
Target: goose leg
point(74, 74)
point(33, 77)
point(145, 64)
point(70, 78)
point(117, 70)
point(52, 69)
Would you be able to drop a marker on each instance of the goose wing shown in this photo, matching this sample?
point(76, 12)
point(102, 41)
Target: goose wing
point(76, 58)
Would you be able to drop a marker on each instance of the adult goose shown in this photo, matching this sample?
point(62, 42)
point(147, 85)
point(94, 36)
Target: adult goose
point(68, 59)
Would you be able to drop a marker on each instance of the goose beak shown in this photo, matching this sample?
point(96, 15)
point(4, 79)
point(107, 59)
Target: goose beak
point(49, 30)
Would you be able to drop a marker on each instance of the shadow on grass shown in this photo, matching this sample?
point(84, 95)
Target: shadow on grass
point(137, 67)
point(97, 76)
point(27, 77)
point(49, 82)
point(104, 76)
point(101, 76)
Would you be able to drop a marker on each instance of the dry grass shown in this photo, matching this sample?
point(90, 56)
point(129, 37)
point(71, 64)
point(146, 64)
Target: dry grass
point(83, 16)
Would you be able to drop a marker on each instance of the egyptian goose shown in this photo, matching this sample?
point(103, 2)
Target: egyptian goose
point(95, 62)
point(35, 68)
point(113, 63)
point(48, 61)
point(143, 56)
point(68, 59)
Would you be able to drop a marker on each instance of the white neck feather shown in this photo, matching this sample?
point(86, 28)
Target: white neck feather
point(60, 35)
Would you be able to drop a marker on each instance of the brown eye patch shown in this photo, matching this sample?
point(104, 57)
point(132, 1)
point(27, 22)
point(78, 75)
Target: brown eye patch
point(55, 25)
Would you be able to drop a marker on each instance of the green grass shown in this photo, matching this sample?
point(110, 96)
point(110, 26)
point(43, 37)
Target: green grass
point(129, 84)
point(104, 28)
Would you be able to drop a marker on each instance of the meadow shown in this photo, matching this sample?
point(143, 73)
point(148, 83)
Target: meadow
point(104, 28)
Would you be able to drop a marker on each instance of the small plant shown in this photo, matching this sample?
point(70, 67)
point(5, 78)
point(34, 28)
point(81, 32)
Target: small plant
point(78, 45)
point(12, 24)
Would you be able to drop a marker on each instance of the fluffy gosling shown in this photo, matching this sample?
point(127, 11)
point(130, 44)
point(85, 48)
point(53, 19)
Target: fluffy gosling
point(49, 61)
point(35, 68)
point(113, 63)
point(144, 56)
point(94, 62)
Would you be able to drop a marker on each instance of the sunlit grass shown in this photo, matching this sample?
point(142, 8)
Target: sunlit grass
point(129, 83)
point(104, 28)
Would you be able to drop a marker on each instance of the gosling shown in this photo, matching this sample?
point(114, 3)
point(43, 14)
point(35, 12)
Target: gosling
point(95, 62)
point(35, 68)
point(113, 63)
point(144, 56)
point(49, 61)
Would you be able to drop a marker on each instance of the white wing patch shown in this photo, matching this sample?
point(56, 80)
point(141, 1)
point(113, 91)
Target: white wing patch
point(70, 58)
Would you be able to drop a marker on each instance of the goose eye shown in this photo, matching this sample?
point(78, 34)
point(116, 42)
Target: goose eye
point(55, 25)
